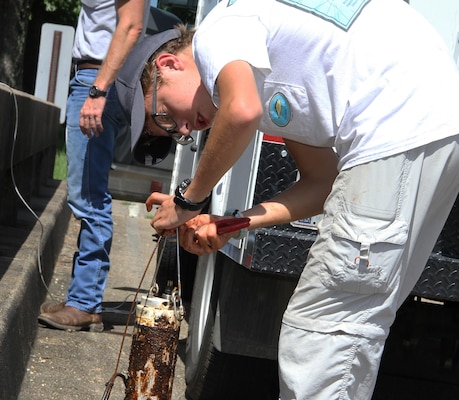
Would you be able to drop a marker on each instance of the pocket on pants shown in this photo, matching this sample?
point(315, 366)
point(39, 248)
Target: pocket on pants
point(363, 254)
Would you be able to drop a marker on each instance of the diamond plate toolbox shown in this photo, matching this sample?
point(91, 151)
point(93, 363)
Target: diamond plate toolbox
point(283, 249)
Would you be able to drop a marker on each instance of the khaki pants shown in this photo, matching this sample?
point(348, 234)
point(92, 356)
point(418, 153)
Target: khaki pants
point(381, 221)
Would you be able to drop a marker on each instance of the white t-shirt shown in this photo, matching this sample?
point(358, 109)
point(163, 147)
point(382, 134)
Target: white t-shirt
point(369, 77)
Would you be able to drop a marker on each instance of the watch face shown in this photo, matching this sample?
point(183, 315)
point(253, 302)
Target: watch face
point(93, 91)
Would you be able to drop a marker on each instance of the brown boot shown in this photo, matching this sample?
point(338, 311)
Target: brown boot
point(51, 306)
point(72, 319)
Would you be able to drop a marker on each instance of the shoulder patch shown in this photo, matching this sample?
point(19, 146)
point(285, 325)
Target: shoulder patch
point(280, 111)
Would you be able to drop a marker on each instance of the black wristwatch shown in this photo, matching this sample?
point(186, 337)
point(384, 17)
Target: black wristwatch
point(95, 92)
point(183, 202)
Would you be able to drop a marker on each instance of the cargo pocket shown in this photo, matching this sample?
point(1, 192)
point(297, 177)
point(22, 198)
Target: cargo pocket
point(363, 254)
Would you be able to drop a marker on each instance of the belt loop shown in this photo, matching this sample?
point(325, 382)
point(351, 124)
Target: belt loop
point(73, 70)
point(363, 259)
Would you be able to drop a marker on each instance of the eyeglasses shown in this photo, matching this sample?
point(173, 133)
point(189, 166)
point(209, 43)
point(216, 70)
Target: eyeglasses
point(167, 123)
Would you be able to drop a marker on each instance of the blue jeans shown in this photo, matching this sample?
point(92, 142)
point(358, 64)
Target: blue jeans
point(89, 162)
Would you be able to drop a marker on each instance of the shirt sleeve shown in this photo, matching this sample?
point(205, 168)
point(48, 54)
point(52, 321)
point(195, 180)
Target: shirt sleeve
point(217, 43)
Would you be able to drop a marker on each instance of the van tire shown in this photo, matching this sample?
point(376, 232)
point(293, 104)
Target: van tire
point(167, 267)
point(211, 374)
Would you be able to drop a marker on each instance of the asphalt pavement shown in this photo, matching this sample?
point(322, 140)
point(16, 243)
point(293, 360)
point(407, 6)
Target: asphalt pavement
point(77, 365)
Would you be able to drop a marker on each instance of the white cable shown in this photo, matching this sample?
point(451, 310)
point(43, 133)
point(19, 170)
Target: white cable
point(40, 271)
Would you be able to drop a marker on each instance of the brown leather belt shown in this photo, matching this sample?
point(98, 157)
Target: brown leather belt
point(89, 64)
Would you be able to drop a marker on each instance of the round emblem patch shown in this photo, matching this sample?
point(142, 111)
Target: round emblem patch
point(279, 110)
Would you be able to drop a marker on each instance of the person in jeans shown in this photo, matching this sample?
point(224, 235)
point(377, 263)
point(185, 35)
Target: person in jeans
point(107, 31)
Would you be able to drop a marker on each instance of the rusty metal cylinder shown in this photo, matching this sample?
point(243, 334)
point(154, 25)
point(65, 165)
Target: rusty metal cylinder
point(153, 351)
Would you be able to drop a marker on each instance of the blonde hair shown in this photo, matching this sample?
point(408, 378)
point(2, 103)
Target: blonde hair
point(173, 46)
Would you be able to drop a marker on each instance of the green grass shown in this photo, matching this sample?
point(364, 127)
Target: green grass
point(60, 166)
point(60, 162)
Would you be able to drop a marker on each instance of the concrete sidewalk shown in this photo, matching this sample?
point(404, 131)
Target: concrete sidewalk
point(76, 365)
point(20, 284)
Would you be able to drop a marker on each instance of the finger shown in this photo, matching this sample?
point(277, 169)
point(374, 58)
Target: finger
point(164, 232)
point(84, 126)
point(86, 132)
point(157, 198)
point(93, 125)
point(188, 242)
point(209, 239)
point(212, 237)
point(154, 199)
point(99, 126)
point(186, 237)
point(203, 239)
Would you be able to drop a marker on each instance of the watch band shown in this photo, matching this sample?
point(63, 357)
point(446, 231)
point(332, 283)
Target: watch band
point(183, 202)
point(95, 92)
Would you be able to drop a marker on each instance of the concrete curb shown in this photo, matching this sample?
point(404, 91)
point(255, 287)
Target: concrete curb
point(21, 285)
